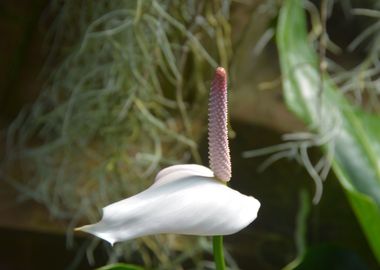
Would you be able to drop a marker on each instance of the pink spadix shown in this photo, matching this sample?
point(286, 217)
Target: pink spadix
point(219, 152)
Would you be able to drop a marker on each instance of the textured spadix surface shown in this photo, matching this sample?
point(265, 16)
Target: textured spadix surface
point(218, 149)
point(185, 199)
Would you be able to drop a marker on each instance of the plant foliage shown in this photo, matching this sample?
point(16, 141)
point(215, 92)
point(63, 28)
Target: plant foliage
point(352, 134)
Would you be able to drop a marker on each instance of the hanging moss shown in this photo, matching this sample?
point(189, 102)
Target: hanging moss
point(127, 97)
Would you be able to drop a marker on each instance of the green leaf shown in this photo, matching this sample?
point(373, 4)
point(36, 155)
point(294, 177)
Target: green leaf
point(331, 257)
point(121, 266)
point(353, 134)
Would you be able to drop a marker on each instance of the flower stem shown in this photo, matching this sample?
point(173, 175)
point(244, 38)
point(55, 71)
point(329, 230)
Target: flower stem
point(217, 243)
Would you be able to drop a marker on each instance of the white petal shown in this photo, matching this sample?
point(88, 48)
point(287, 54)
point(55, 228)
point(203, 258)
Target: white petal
point(185, 199)
point(182, 171)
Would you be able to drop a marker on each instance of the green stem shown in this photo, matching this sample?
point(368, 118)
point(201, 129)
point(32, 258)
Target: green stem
point(217, 243)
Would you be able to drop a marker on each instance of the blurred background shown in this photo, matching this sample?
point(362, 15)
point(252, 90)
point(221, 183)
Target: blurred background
point(97, 96)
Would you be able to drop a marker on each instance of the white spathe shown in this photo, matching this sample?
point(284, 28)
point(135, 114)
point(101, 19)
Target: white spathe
point(185, 199)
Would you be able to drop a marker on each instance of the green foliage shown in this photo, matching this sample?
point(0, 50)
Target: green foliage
point(121, 266)
point(350, 135)
point(330, 257)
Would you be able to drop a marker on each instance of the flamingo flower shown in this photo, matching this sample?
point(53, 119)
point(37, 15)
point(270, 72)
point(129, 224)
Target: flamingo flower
point(185, 199)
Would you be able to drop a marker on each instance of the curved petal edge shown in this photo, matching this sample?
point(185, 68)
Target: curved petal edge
point(185, 199)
